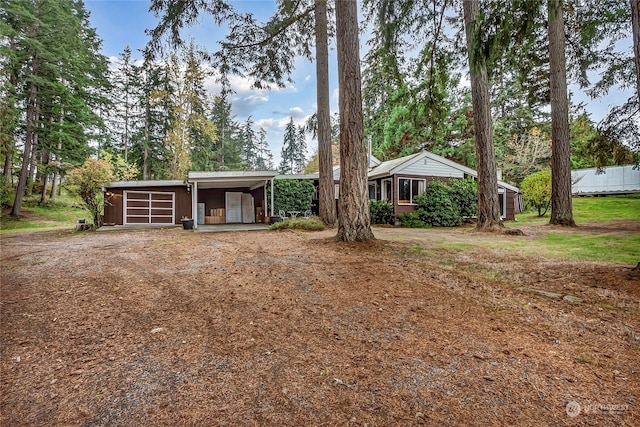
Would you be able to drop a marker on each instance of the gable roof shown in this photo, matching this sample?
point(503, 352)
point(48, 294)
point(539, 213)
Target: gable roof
point(446, 167)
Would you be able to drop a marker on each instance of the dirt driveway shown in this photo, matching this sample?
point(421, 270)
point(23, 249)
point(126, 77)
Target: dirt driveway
point(170, 327)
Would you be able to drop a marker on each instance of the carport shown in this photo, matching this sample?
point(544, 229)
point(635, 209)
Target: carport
point(238, 197)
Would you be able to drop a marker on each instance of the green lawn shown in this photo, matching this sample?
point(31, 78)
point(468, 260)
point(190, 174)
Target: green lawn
point(63, 213)
point(594, 209)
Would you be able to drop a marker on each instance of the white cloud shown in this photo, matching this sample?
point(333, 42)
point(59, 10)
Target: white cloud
point(296, 112)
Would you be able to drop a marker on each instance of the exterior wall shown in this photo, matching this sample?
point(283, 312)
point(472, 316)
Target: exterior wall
point(510, 214)
point(399, 209)
point(114, 211)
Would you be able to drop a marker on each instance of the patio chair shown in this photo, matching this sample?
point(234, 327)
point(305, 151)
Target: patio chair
point(307, 214)
point(282, 214)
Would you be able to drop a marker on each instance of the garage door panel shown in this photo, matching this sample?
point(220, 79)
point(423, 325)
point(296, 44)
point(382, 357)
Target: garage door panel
point(149, 207)
point(138, 203)
point(161, 220)
point(162, 212)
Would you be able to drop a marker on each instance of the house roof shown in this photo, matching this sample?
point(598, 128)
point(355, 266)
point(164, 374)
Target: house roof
point(147, 183)
point(390, 166)
point(396, 166)
point(231, 179)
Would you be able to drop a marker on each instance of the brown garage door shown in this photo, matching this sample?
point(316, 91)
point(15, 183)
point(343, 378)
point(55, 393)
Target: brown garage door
point(149, 207)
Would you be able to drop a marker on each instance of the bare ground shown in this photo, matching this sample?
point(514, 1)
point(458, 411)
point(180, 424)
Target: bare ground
point(169, 327)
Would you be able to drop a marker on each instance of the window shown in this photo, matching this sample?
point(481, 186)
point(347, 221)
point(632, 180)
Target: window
point(386, 190)
point(408, 189)
point(373, 191)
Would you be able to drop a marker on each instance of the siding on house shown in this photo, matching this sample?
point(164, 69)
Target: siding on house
point(429, 166)
point(114, 200)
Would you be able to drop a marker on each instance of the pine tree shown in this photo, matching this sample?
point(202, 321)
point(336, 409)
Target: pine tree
point(289, 153)
point(488, 201)
point(354, 223)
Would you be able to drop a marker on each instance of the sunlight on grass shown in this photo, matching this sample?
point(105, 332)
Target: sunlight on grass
point(593, 209)
point(624, 249)
point(63, 213)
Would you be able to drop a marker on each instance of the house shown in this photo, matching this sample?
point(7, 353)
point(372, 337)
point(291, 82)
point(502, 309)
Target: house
point(604, 181)
point(242, 196)
point(208, 197)
point(400, 180)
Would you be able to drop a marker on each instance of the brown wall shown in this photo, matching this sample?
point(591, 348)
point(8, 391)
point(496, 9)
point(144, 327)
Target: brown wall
point(401, 209)
point(113, 209)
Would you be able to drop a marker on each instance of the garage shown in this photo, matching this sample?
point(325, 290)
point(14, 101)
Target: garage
point(151, 203)
point(149, 207)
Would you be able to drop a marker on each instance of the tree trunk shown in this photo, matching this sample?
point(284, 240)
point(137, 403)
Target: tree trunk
point(326, 192)
point(8, 166)
point(354, 223)
point(44, 176)
point(30, 134)
point(561, 203)
point(54, 185)
point(31, 179)
point(488, 200)
point(635, 26)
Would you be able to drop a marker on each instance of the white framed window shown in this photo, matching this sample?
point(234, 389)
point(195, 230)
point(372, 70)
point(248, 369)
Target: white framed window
point(408, 189)
point(373, 190)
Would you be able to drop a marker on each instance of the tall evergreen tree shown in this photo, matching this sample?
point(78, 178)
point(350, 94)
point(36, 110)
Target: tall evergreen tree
point(289, 154)
point(354, 223)
point(488, 201)
point(56, 52)
point(561, 203)
point(264, 158)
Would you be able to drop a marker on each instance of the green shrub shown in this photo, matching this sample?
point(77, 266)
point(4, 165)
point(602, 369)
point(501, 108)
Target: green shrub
point(464, 193)
point(536, 191)
point(381, 212)
point(310, 224)
point(436, 206)
point(292, 195)
point(412, 220)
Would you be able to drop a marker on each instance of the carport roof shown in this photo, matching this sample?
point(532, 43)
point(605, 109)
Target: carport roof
point(147, 183)
point(231, 179)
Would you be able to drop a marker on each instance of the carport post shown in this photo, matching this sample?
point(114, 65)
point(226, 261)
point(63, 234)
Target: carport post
point(194, 203)
point(273, 211)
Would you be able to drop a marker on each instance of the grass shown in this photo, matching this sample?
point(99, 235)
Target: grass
point(63, 213)
point(594, 209)
point(584, 247)
point(310, 224)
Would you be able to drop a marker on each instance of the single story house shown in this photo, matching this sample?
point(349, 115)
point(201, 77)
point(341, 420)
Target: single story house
point(241, 197)
point(604, 181)
point(400, 180)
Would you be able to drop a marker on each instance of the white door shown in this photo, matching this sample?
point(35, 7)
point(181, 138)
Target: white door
point(233, 207)
point(248, 212)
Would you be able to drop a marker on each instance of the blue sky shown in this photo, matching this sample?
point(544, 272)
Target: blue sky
point(122, 23)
